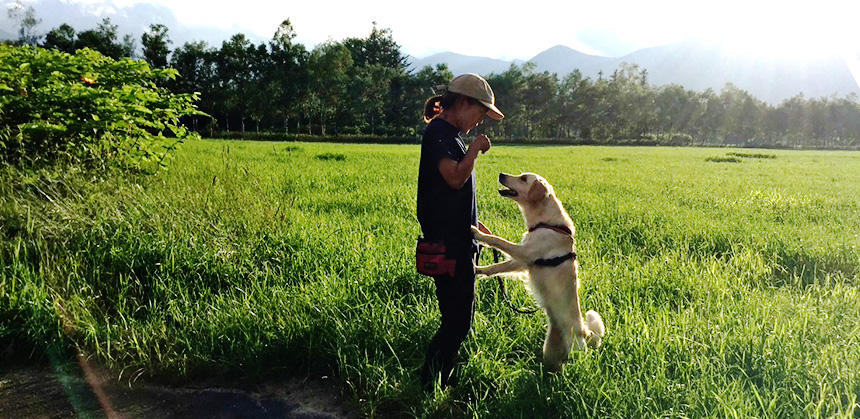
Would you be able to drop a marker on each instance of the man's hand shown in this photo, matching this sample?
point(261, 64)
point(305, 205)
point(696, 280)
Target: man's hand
point(456, 173)
point(482, 143)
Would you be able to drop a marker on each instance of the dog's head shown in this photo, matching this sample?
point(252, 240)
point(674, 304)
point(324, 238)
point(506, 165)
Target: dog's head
point(525, 189)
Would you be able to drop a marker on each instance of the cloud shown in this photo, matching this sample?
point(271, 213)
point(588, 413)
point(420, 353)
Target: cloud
point(130, 17)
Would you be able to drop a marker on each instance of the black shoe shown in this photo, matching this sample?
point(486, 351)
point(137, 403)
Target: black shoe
point(429, 376)
point(450, 376)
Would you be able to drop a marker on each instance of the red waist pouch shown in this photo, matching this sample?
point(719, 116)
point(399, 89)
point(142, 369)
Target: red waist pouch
point(430, 259)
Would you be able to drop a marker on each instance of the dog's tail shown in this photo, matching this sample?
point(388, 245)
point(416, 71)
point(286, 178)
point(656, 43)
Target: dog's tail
point(595, 324)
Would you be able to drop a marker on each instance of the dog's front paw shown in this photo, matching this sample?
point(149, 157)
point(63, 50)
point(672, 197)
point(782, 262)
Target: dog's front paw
point(479, 270)
point(476, 233)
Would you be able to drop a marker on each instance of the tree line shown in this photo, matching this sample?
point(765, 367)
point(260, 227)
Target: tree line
point(365, 86)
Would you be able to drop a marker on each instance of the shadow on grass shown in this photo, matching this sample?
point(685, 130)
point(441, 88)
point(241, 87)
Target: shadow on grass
point(796, 268)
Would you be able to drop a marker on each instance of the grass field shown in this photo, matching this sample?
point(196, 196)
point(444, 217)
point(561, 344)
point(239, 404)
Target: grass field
point(728, 283)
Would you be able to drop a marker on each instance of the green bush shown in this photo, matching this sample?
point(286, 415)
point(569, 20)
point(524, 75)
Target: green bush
point(753, 155)
point(331, 156)
point(721, 159)
point(87, 109)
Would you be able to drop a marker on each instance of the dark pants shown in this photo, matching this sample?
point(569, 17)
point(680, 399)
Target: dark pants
point(456, 297)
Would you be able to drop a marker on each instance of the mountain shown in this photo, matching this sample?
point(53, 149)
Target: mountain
point(463, 63)
point(695, 66)
point(699, 66)
point(562, 60)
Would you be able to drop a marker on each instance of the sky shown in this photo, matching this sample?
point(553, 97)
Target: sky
point(507, 30)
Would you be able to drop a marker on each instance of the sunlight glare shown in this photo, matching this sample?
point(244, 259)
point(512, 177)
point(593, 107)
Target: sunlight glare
point(792, 31)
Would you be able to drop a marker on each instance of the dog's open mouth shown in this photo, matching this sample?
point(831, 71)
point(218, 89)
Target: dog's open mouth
point(505, 192)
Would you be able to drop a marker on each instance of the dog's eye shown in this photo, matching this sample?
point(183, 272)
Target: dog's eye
point(523, 178)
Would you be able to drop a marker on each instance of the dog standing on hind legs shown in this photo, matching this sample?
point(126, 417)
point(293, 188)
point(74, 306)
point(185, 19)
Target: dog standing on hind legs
point(547, 252)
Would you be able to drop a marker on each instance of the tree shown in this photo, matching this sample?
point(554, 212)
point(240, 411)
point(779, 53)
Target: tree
point(27, 22)
point(573, 113)
point(155, 46)
point(411, 91)
point(844, 114)
point(286, 78)
point(630, 100)
point(104, 39)
point(234, 77)
point(369, 91)
point(539, 102)
point(129, 46)
point(742, 119)
point(508, 89)
point(375, 84)
point(61, 38)
point(677, 110)
point(378, 48)
point(195, 62)
point(709, 126)
point(259, 103)
point(328, 66)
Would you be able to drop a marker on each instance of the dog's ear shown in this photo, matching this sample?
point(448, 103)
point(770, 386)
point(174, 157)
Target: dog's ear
point(536, 192)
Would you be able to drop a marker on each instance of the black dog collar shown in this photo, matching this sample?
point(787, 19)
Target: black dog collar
point(555, 261)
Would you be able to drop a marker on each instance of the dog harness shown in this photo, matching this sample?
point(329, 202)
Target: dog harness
point(559, 228)
point(554, 261)
point(563, 229)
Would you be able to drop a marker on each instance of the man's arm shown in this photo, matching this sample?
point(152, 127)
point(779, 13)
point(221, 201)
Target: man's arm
point(456, 173)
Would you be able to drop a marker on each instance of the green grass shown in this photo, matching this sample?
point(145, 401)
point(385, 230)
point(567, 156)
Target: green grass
point(727, 290)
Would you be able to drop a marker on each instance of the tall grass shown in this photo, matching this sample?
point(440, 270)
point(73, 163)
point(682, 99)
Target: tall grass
point(727, 290)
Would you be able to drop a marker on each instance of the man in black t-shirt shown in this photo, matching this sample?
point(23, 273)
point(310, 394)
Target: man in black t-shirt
point(447, 209)
point(445, 214)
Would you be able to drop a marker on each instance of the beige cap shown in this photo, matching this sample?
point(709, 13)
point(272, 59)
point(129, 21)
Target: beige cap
point(475, 87)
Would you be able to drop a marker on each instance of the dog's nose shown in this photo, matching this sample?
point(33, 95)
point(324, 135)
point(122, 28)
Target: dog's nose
point(502, 177)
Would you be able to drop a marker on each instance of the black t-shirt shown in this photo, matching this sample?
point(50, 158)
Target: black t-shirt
point(445, 214)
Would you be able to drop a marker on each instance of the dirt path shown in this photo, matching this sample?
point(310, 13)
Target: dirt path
point(72, 391)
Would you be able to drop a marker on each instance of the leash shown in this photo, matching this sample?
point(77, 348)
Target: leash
point(504, 290)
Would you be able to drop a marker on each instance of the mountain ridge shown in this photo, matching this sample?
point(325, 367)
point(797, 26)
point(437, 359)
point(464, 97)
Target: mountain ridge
point(692, 65)
point(695, 66)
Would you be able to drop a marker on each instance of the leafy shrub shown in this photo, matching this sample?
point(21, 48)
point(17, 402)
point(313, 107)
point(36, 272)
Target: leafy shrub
point(753, 155)
point(87, 108)
point(721, 159)
point(331, 156)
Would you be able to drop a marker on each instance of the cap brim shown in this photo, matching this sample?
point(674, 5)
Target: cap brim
point(493, 112)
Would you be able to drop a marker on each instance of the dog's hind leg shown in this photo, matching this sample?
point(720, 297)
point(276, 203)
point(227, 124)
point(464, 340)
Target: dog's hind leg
point(596, 327)
point(556, 346)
